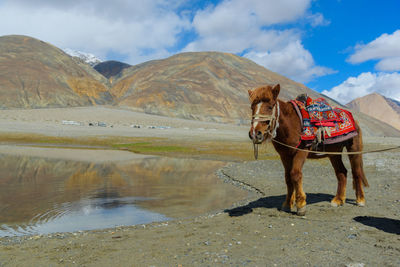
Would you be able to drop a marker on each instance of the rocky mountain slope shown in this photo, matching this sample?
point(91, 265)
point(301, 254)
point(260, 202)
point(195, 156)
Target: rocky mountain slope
point(35, 74)
point(206, 86)
point(378, 107)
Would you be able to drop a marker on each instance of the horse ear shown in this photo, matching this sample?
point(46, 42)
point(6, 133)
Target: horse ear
point(275, 90)
point(250, 94)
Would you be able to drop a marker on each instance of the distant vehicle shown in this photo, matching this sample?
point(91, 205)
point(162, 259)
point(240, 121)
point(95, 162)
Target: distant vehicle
point(64, 122)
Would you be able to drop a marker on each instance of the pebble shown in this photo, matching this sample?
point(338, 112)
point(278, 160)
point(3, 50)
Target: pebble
point(352, 236)
point(355, 264)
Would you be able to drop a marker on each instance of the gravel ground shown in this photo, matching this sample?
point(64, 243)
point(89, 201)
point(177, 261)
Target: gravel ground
point(251, 233)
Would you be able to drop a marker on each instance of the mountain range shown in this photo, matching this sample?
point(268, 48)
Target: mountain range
point(209, 86)
point(378, 107)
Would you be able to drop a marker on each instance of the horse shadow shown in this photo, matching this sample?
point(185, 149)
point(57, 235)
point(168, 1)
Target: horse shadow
point(274, 202)
point(387, 225)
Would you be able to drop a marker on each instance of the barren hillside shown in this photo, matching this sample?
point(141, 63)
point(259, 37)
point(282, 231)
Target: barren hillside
point(378, 107)
point(35, 74)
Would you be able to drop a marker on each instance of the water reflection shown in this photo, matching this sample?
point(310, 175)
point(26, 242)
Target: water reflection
point(39, 195)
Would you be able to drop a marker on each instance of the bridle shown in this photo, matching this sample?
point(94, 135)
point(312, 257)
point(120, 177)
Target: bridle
point(273, 118)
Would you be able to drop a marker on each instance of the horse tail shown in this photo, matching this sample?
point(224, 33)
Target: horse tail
point(364, 179)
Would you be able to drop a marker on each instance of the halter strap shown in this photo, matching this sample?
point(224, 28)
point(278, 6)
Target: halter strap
point(274, 117)
point(264, 117)
point(261, 117)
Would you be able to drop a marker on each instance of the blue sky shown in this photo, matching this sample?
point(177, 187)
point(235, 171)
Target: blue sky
point(343, 48)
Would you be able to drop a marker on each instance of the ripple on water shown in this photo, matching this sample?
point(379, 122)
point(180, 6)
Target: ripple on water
point(44, 196)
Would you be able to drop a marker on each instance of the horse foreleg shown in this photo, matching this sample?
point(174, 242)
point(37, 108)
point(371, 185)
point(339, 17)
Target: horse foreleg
point(296, 177)
point(341, 175)
point(287, 162)
point(290, 196)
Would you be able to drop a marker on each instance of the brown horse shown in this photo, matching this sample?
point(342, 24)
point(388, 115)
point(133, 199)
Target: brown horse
point(278, 120)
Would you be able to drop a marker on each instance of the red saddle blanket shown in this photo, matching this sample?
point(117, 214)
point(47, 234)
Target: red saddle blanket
point(322, 122)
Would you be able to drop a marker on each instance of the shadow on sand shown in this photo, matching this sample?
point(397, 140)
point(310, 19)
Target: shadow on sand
point(387, 225)
point(274, 202)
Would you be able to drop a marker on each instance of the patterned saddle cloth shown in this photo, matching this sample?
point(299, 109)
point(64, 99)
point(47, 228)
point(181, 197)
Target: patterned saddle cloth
point(321, 123)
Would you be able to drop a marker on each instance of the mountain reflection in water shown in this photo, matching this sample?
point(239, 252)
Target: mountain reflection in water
point(40, 195)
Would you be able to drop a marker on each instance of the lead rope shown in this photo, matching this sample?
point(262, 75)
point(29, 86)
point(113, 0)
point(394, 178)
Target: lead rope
point(336, 153)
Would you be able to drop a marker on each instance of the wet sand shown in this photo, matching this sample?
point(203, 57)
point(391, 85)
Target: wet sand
point(250, 233)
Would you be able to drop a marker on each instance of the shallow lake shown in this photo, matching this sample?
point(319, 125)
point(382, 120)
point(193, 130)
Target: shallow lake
point(40, 195)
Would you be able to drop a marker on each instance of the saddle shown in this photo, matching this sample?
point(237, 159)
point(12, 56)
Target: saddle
point(321, 123)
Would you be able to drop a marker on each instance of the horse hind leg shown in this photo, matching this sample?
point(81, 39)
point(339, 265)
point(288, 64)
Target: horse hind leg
point(341, 175)
point(356, 162)
point(359, 179)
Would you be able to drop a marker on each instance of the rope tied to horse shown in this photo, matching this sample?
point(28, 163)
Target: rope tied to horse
point(336, 153)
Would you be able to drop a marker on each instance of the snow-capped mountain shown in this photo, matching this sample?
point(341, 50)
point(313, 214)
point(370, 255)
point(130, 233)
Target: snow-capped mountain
point(86, 57)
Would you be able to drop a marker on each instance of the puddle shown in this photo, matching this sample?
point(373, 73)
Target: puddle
point(45, 195)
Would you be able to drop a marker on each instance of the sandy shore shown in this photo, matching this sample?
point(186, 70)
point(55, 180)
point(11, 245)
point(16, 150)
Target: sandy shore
point(118, 122)
point(251, 233)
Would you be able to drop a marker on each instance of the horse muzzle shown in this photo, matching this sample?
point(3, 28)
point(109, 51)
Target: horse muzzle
point(256, 136)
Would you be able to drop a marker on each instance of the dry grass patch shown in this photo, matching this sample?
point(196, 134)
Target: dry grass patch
point(218, 150)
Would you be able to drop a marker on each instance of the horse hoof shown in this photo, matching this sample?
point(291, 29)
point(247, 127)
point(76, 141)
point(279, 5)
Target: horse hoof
point(336, 203)
point(301, 211)
point(361, 203)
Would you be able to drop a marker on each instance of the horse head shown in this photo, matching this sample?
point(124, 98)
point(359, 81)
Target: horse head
point(265, 112)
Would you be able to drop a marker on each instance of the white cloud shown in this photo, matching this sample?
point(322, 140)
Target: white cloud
point(389, 64)
point(141, 31)
point(233, 17)
point(387, 84)
point(244, 27)
point(292, 60)
point(385, 48)
point(318, 20)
